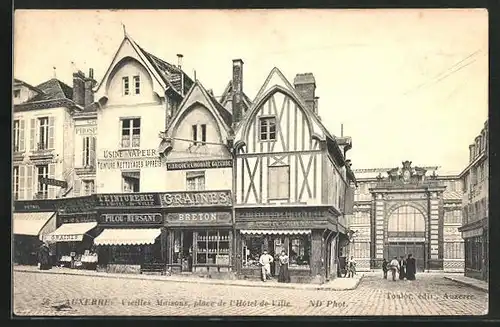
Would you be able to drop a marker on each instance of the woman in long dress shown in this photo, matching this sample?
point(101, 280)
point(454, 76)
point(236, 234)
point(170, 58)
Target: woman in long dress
point(284, 275)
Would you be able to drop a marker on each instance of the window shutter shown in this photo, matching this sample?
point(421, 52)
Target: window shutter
point(52, 173)
point(349, 201)
point(32, 134)
point(92, 151)
point(21, 135)
point(273, 183)
point(21, 182)
point(84, 148)
point(77, 187)
point(29, 182)
point(284, 178)
point(51, 131)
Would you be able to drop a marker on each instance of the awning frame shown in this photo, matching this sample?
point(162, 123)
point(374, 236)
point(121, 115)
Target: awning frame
point(69, 236)
point(106, 237)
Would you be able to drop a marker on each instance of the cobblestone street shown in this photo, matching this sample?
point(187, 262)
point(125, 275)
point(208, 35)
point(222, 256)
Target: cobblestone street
point(43, 294)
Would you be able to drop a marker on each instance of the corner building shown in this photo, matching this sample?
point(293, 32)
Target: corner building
point(292, 182)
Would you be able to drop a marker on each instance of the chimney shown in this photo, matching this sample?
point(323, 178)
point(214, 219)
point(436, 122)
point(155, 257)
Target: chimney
point(237, 90)
point(179, 60)
point(316, 104)
point(79, 88)
point(305, 85)
point(89, 85)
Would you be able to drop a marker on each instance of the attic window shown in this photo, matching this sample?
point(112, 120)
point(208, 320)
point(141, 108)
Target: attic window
point(17, 93)
point(137, 84)
point(126, 87)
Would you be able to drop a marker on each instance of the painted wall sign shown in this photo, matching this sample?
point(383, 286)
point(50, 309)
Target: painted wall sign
point(132, 218)
point(202, 164)
point(127, 200)
point(285, 214)
point(197, 199)
point(76, 205)
point(472, 233)
point(77, 219)
point(86, 130)
point(283, 224)
point(52, 182)
point(64, 238)
point(198, 218)
point(35, 205)
point(129, 159)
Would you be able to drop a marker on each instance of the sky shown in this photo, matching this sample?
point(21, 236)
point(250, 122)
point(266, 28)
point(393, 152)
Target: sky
point(406, 84)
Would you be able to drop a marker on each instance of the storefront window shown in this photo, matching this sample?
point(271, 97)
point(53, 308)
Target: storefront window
point(212, 247)
point(299, 250)
point(252, 249)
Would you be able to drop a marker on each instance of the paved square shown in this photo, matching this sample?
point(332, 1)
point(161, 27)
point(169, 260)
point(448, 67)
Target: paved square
point(51, 294)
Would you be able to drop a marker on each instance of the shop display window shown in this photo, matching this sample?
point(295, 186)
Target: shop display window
point(212, 247)
point(299, 250)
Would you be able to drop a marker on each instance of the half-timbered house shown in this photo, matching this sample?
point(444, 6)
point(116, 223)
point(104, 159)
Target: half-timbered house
point(291, 182)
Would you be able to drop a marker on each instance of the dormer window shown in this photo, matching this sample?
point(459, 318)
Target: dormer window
point(17, 93)
point(126, 86)
point(199, 134)
point(137, 84)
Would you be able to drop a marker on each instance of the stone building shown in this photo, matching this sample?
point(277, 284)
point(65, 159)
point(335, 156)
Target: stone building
point(407, 210)
point(475, 228)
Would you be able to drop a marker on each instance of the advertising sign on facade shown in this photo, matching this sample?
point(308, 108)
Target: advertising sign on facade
point(202, 164)
point(35, 205)
point(127, 200)
point(196, 199)
point(76, 205)
point(64, 238)
point(302, 224)
point(129, 159)
point(52, 182)
point(131, 218)
point(198, 218)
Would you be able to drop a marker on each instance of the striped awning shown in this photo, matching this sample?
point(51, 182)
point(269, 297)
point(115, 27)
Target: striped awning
point(130, 236)
point(70, 232)
point(33, 223)
point(275, 232)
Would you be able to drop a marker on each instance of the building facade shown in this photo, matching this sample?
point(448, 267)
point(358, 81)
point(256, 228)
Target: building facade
point(405, 210)
point(291, 182)
point(475, 226)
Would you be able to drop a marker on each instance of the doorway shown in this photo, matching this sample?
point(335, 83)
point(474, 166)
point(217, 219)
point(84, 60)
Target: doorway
point(398, 249)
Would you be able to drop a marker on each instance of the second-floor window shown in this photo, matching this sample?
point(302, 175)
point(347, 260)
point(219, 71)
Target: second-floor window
point(88, 155)
point(42, 171)
point(125, 86)
point(279, 182)
point(43, 133)
point(16, 186)
point(195, 180)
point(199, 134)
point(18, 137)
point(137, 84)
point(88, 187)
point(267, 128)
point(131, 132)
point(131, 181)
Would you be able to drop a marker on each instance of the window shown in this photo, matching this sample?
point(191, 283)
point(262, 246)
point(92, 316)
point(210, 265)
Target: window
point(299, 250)
point(279, 182)
point(89, 151)
point(406, 221)
point(17, 132)
point(126, 90)
point(195, 133)
point(43, 189)
point(267, 128)
point(43, 133)
point(131, 132)
point(202, 134)
point(88, 187)
point(15, 178)
point(137, 84)
point(131, 181)
point(195, 181)
point(17, 93)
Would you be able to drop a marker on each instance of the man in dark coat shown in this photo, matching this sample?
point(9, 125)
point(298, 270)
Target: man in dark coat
point(384, 268)
point(44, 257)
point(402, 268)
point(411, 268)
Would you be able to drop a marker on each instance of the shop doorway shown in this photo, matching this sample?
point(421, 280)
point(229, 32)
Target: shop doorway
point(187, 251)
point(416, 249)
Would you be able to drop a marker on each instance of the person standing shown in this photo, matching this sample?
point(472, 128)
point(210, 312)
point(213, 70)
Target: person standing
point(265, 261)
point(384, 268)
point(411, 268)
point(284, 275)
point(352, 267)
point(394, 267)
point(44, 257)
point(402, 268)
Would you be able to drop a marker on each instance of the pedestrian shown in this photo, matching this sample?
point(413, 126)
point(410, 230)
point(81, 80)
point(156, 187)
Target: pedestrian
point(284, 275)
point(394, 267)
point(384, 268)
point(402, 268)
point(352, 267)
point(265, 261)
point(411, 268)
point(44, 257)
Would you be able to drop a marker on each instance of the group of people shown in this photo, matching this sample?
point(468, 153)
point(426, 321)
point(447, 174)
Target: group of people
point(406, 268)
point(265, 261)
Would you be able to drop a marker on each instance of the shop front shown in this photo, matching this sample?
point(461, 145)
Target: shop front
point(74, 237)
point(133, 238)
point(200, 234)
point(31, 221)
point(476, 250)
point(307, 236)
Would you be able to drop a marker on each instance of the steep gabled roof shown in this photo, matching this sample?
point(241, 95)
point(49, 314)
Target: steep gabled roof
point(52, 89)
point(226, 115)
point(227, 94)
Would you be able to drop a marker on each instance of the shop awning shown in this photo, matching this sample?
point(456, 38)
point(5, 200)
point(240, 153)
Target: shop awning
point(131, 236)
point(33, 223)
point(70, 232)
point(276, 232)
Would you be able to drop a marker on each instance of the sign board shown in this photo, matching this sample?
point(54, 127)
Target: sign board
point(132, 218)
point(299, 224)
point(35, 205)
point(129, 159)
point(127, 200)
point(78, 205)
point(201, 164)
point(53, 182)
point(281, 214)
point(64, 238)
point(80, 218)
point(86, 130)
point(472, 233)
point(198, 218)
point(196, 199)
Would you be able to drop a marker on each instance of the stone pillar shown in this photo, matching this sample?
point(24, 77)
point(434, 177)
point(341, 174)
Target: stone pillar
point(379, 227)
point(434, 229)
